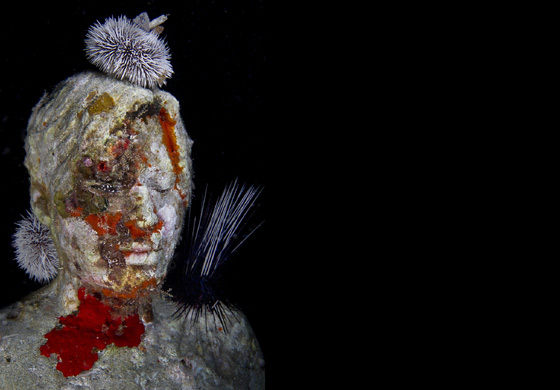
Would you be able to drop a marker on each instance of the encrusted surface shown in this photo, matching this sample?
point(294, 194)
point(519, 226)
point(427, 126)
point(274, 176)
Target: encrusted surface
point(173, 354)
point(111, 177)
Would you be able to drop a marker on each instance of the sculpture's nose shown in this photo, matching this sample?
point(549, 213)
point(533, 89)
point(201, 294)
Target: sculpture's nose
point(146, 213)
point(141, 222)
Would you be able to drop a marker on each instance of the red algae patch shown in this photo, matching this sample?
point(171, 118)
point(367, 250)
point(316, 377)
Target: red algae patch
point(81, 336)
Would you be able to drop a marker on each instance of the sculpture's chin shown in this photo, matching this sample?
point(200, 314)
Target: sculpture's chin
point(138, 278)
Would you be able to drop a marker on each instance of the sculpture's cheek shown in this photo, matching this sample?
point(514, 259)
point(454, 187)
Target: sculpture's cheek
point(123, 252)
point(79, 244)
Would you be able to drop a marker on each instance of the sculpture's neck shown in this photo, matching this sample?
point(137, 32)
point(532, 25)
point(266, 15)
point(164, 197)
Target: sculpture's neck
point(95, 323)
point(72, 292)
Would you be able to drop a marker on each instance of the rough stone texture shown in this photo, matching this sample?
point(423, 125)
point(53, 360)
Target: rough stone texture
point(109, 162)
point(111, 178)
point(174, 354)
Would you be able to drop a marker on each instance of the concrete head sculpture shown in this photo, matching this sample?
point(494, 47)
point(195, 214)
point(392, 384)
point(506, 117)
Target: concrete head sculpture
point(110, 180)
point(111, 177)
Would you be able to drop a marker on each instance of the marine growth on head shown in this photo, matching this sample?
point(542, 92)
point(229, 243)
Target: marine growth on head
point(110, 178)
point(130, 50)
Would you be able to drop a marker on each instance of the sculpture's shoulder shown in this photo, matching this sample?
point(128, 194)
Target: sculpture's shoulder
point(219, 357)
point(175, 353)
point(34, 314)
point(22, 328)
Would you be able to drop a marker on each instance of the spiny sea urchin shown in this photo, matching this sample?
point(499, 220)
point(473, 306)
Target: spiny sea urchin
point(130, 50)
point(35, 250)
point(212, 236)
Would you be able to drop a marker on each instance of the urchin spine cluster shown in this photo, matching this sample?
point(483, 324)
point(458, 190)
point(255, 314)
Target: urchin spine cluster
point(213, 236)
point(35, 250)
point(130, 50)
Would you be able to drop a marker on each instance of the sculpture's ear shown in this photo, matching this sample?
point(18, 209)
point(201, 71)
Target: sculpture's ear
point(40, 203)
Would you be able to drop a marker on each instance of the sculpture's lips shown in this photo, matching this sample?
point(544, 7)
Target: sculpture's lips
point(142, 250)
point(139, 254)
point(142, 257)
point(137, 248)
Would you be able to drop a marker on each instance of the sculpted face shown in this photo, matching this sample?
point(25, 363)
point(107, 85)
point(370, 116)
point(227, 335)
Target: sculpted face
point(120, 221)
point(116, 204)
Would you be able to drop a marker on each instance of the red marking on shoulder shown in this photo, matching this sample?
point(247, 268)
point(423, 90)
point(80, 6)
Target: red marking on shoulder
point(90, 330)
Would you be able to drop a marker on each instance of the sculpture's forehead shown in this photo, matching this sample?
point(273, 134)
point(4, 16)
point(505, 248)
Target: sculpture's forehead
point(91, 128)
point(146, 144)
point(112, 155)
point(110, 135)
point(133, 141)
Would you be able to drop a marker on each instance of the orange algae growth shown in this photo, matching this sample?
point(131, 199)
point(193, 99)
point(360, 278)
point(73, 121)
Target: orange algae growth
point(93, 328)
point(137, 232)
point(169, 139)
point(104, 223)
point(77, 212)
point(137, 291)
point(120, 147)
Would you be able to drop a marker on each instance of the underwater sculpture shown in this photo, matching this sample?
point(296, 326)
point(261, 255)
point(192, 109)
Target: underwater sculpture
point(111, 178)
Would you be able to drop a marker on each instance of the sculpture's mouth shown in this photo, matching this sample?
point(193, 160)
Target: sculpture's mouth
point(141, 248)
point(141, 255)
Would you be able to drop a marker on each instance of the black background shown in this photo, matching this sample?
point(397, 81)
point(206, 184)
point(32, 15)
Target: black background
point(218, 56)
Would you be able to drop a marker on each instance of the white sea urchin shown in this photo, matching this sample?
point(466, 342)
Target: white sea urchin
point(130, 50)
point(35, 250)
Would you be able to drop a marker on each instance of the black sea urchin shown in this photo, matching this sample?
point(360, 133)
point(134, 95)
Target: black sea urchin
point(212, 236)
point(35, 250)
point(130, 50)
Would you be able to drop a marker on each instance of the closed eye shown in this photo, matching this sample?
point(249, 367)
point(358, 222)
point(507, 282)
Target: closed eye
point(157, 180)
point(105, 188)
